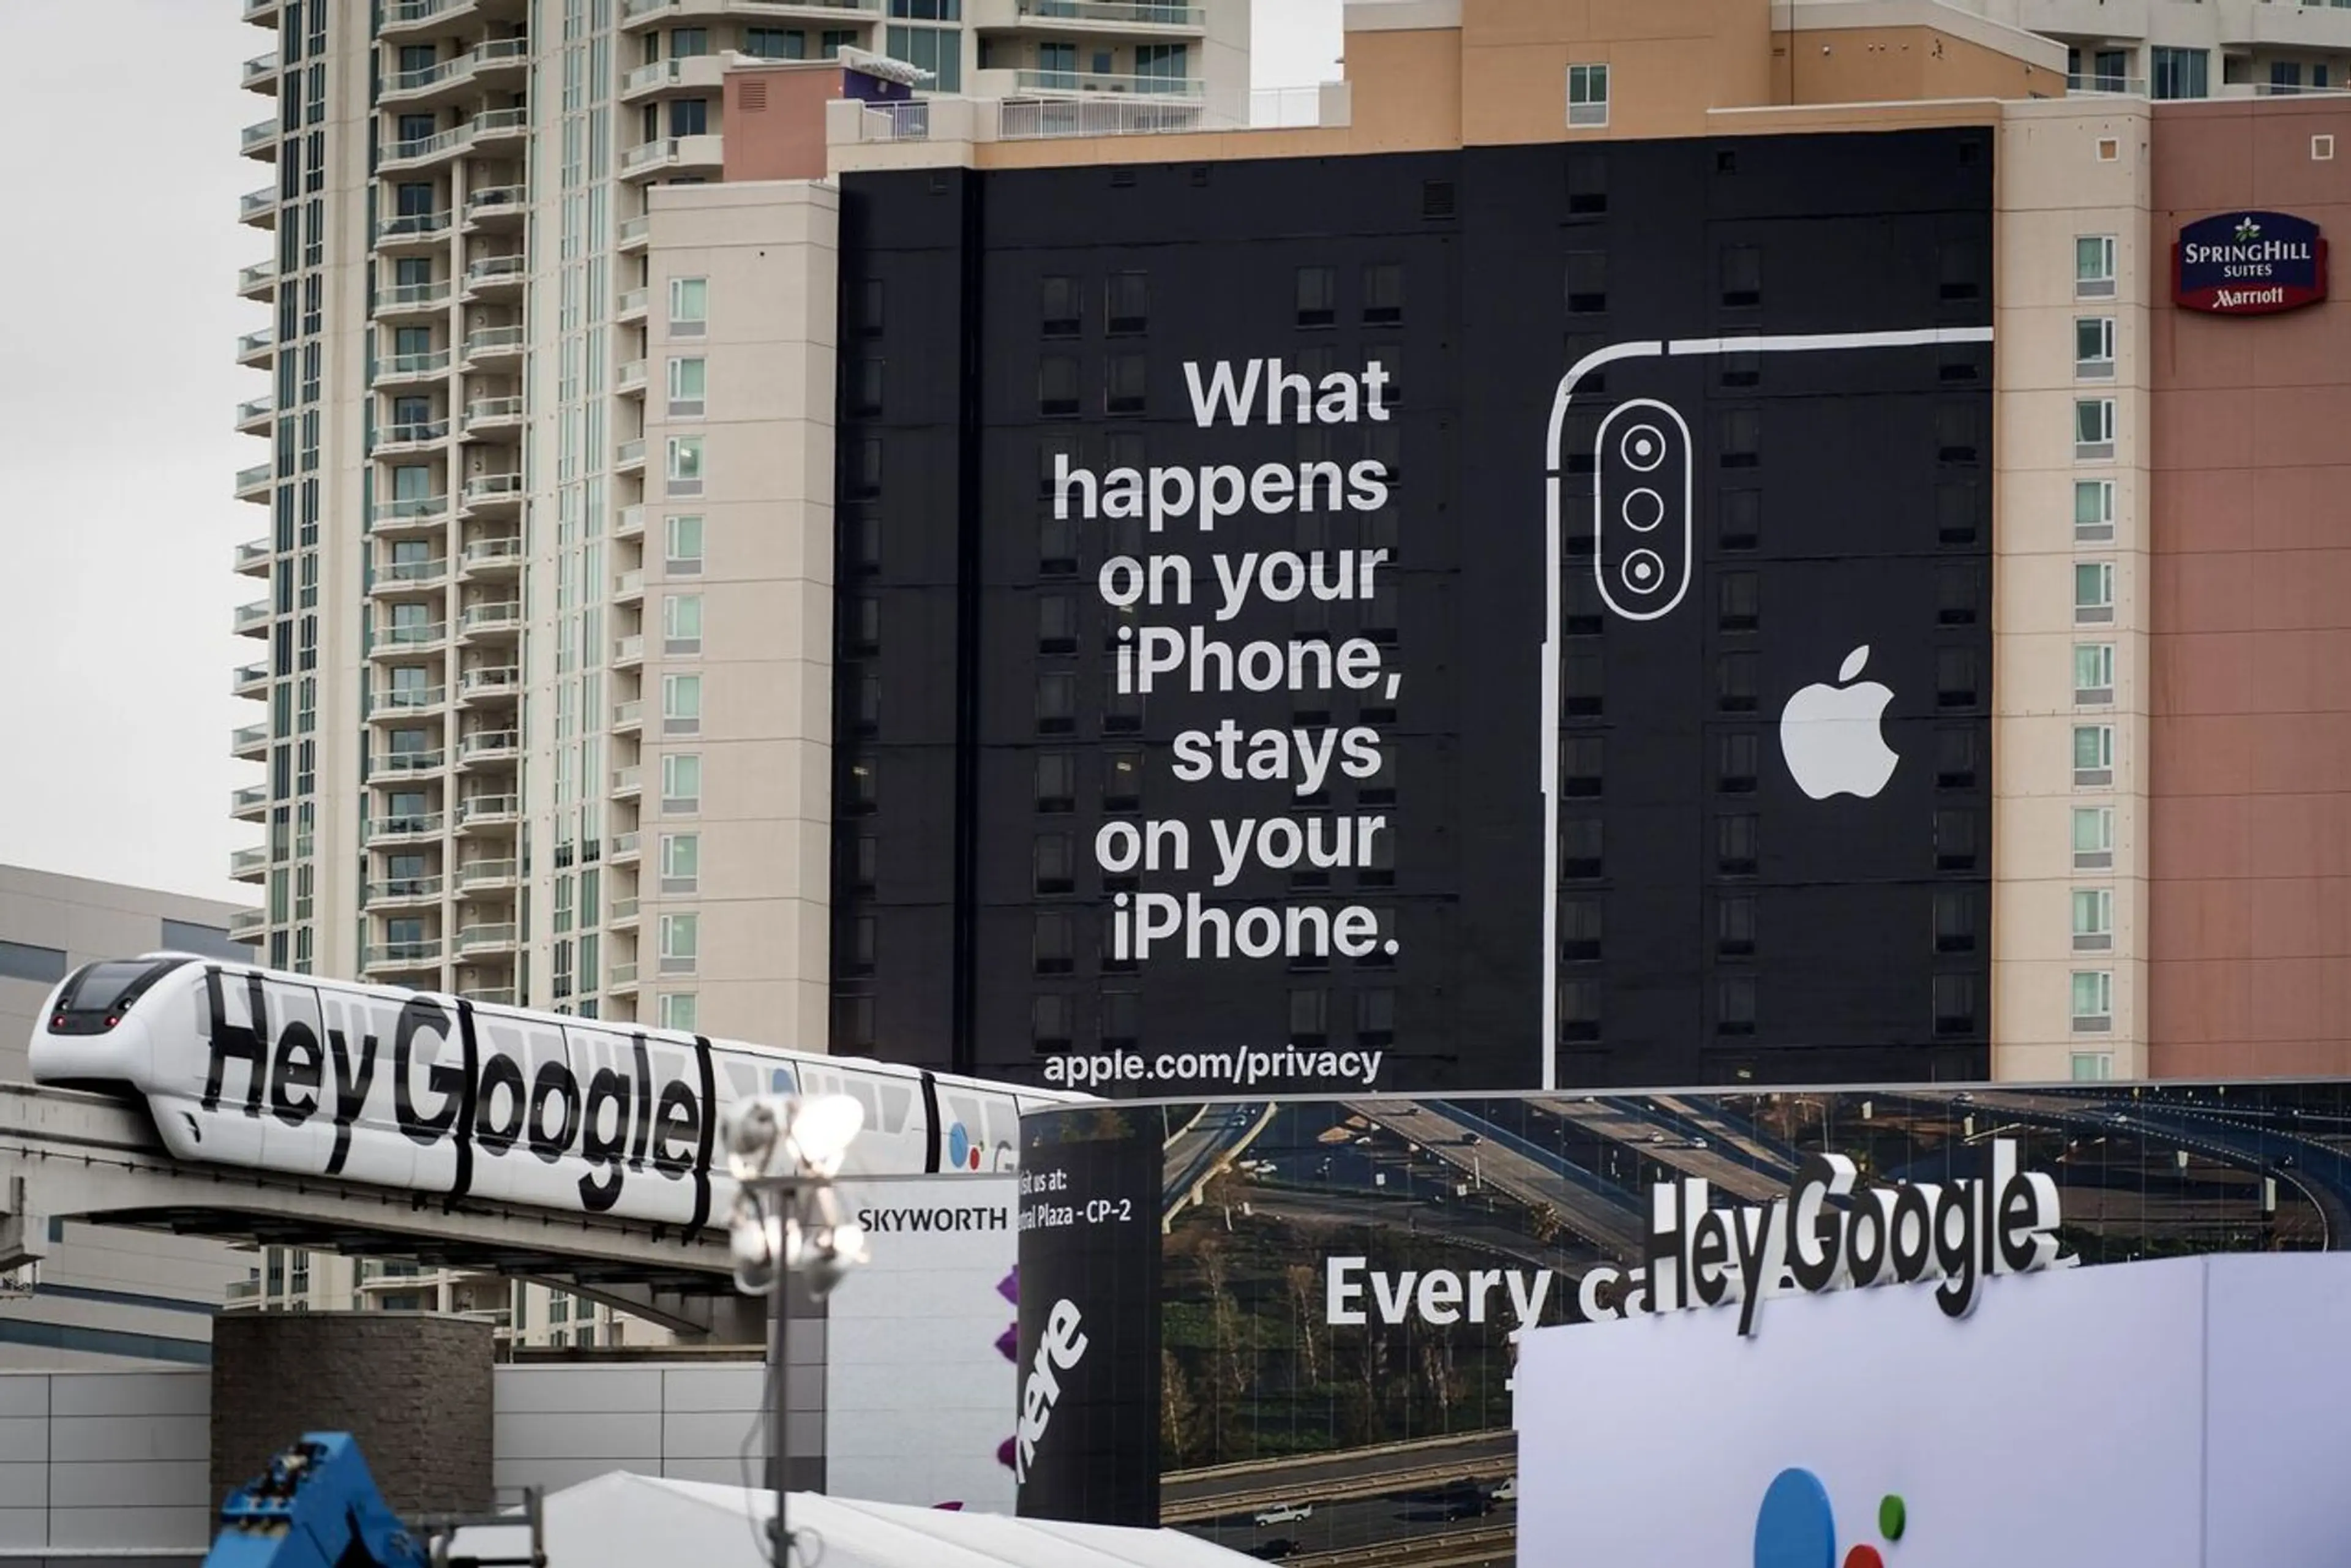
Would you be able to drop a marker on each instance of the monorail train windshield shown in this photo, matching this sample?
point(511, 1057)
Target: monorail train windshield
point(94, 998)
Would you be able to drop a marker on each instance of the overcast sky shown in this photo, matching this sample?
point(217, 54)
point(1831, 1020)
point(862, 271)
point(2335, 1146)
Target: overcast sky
point(118, 391)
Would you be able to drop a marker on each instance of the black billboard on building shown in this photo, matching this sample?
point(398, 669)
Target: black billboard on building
point(1448, 620)
point(1336, 1285)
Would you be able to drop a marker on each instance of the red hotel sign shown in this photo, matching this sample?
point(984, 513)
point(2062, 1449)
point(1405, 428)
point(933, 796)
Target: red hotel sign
point(2249, 263)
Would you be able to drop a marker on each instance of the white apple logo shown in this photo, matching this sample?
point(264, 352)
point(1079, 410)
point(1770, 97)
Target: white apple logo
point(1830, 736)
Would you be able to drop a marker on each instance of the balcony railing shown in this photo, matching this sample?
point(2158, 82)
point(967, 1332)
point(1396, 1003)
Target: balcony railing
point(621, 976)
point(624, 847)
point(417, 434)
point(1089, 82)
point(490, 270)
point(630, 584)
point(631, 230)
point(408, 699)
point(412, 296)
point(628, 780)
point(629, 650)
point(632, 302)
point(413, 571)
point(630, 454)
point(404, 890)
point(492, 681)
point(252, 798)
point(489, 808)
point(415, 634)
point(255, 282)
point(261, 133)
point(250, 680)
point(2099, 83)
point(405, 366)
point(257, 70)
point(898, 121)
point(492, 411)
point(491, 617)
point(254, 344)
point(410, 508)
point(249, 480)
point(409, 761)
point(632, 375)
point(488, 552)
point(492, 340)
point(1118, 13)
point(1088, 115)
point(483, 488)
point(486, 745)
point(413, 225)
point(250, 616)
point(405, 955)
point(486, 874)
point(248, 737)
point(470, 938)
point(421, 825)
point(253, 412)
point(257, 204)
point(495, 201)
point(632, 523)
point(630, 715)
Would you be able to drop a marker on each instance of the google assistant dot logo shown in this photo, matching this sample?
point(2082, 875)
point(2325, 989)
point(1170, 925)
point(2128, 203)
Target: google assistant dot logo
point(1796, 1528)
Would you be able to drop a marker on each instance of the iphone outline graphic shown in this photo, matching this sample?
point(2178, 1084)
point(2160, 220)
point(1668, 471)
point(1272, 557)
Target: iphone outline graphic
point(1562, 398)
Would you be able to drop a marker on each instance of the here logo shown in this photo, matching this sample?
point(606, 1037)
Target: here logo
point(1796, 1528)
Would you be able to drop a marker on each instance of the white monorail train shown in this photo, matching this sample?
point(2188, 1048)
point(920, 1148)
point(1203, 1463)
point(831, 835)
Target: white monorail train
point(435, 1095)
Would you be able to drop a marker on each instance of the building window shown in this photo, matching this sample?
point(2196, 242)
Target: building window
point(1955, 920)
point(2094, 1001)
point(1734, 928)
point(2093, 674)
point(1579, 1011)
point(1053, 944)
point(2093, 1066)
point(2093, 510)
point(1743, 276)
point(1383, 294)
point(2180, 73)
point(685, 466)
point(1056, 702)
point(1058, 307)
point(681, 942)
point(2093, 429)
point(25, 961)
point(1587, 95)
point(774, 43)
point(1053, 863)
point(683, 558)
point(1734, 845)
point(2093, 838)
point(1318, 296)
point(681, 705)
point(2093, 348)
point(1051, 1023)
point(680, 785)
point(686, 378)
point(2094, 267)
point(689, 307)
point(1955, 1004)
point(1126, 310)
point(1587, 282)
point(1057, 782)
point(678, 1010)
point(681, 862)
point(1123, 392)
point(1057, 386)
point(681, 624)
point(938, 50)
point(2094, 754)
point(2094, 920)
point(2094, 593)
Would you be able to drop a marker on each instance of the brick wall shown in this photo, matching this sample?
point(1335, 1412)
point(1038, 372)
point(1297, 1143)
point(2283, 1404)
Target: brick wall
point(414, 1388)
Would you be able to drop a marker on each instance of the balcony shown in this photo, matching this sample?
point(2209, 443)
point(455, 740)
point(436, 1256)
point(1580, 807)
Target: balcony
point(499, 557)
point(405, 830)
point(253, 418)
point(489, 495)
point(623, 849)
point(2096, 84)
point(408, 639)
point(402, 891)
point(631, 306)
point(408, 762)
point(258, 208)
point(249, 804)
point(485, 66)
point(404, 577)
point(698, 74)
point(248, 925)
point(628, 783)
point(387, 957)
point(489, 746)
point(490, 683)
point(621, 979)
point(248, 866)
point(412, 299)
point(642, 13)
point(254, 347)
point(674, 156)
point(632, 233)
point(259, 281)
point(629, 457)
point(259, 140)
point(475, 878)
point(409, 514)
point(632, 377)
point(629, 588)
point(492, 345)
point(424, 152)
point(252, 484)
point(496, 207)
point(397, 370)
point(475, 939)
point(481, 622)
point(496, 276)
point(629, 717)
point(1062, 84)
point(252, 620)
point(253, 558)
point(259, 74)
point(487, 811)
point(398, 704)
point(411, 231)
point(250, 681)
point(631, 524)
point(250, 743)
point(261, 13)
point(1064, 17)
point(408, 437)
point(628, 652)
point(622, 916)
point(488, 417)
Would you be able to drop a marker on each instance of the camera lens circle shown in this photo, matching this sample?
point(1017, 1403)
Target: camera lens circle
point(1643, 447)
point(1644, 571)
point(1644, 510)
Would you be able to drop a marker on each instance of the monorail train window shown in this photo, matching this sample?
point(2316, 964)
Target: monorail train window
point(103, 990)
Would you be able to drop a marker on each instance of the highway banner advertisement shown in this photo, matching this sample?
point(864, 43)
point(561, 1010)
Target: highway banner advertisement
point(1333, 1289)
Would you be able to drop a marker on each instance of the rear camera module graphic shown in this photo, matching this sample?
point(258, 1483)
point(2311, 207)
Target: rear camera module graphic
point(1644, 448)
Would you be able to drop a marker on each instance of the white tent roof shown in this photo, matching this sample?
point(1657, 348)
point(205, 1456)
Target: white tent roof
point(623, 1521)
